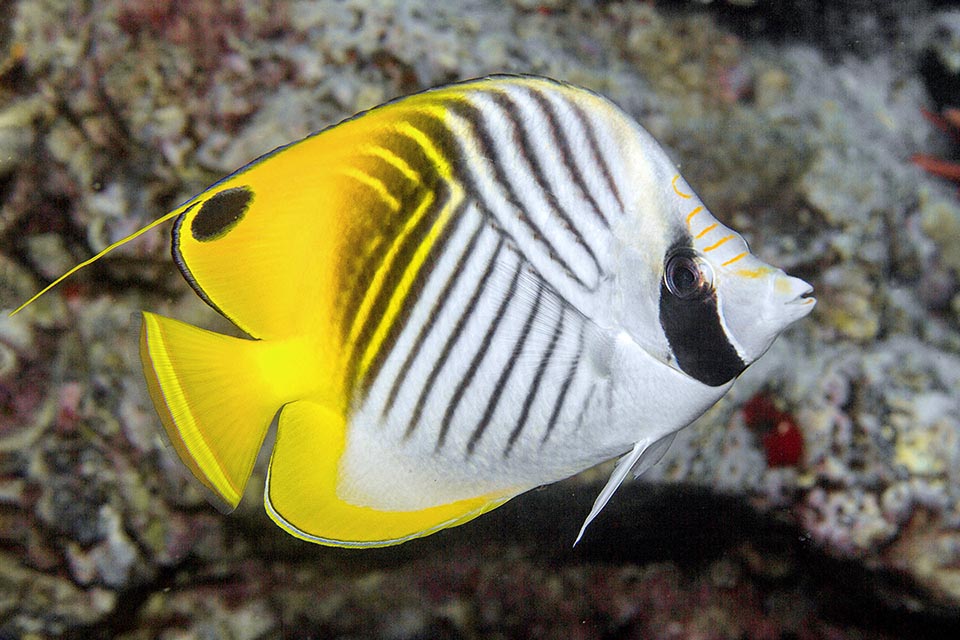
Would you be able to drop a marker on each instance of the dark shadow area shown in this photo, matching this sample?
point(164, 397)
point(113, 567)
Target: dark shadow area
point(687, 526)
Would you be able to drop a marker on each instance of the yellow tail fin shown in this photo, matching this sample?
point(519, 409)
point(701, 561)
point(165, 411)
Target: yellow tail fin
point(217, 395)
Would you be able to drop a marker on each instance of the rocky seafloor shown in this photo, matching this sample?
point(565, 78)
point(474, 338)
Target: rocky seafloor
point(820, 499)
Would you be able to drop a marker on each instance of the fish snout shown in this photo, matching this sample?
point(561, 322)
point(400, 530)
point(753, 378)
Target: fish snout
point(790, 297)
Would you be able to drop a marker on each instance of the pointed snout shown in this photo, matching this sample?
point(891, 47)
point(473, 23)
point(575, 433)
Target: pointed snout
point(790, 297)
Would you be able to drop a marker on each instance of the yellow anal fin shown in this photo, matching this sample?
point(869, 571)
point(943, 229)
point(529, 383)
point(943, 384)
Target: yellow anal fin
point(301, 495)
point(217, 395)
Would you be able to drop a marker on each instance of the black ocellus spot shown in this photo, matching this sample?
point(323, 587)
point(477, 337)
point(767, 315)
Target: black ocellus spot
point(220, 214)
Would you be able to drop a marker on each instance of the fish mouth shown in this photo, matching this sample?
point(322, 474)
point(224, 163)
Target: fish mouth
point(800, 308)
point(803, 297)
point(793, 291)
point(795, 301)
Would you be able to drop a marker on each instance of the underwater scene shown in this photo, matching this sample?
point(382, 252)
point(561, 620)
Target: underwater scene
point(472, 319)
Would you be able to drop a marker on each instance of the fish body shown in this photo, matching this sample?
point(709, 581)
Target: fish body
point(451, 299)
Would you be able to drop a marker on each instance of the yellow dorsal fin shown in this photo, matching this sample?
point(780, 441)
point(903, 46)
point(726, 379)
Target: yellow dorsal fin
point(90, 261)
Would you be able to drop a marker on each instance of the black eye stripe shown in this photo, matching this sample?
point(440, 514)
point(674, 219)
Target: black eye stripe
point(690, 318)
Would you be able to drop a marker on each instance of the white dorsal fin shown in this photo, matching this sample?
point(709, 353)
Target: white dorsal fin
point(643, 456)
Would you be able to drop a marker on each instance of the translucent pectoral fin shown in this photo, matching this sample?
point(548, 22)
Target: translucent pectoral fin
point(653, 454)
point(301, 492)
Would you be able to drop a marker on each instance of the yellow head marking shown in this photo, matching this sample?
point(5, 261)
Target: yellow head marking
point(751, 273)
point(717, 243)
point(739, 256)
point(782, 286)
point(692, 214)
point(706, 231)
point(676, 190)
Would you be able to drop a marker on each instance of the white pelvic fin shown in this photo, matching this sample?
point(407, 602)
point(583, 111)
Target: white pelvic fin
point(643, 456)
point(653, 454)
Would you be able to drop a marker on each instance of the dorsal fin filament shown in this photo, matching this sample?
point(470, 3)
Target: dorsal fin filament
point(176, 212)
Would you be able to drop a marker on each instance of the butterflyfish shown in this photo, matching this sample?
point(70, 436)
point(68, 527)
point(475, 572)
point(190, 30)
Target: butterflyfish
point(451, 299)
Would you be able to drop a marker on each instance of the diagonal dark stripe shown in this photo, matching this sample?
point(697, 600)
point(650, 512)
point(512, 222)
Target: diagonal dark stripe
point(478, 357)
point(474, 119)
point(597, 154)
point(535, 384)
point(435, 312)
point(407, 248)
point(524, 147)
point(452, 341)
point(505, 375)
point(566, 152)
point(565, 388)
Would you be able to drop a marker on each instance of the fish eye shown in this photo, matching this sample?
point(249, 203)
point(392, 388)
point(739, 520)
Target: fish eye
point(688, 276)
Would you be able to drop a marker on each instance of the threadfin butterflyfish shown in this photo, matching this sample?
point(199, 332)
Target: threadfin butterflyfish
point(451, 299)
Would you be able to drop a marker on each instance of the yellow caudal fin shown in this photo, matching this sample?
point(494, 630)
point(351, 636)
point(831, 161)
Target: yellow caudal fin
point(301, 492)
point(217, 395)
